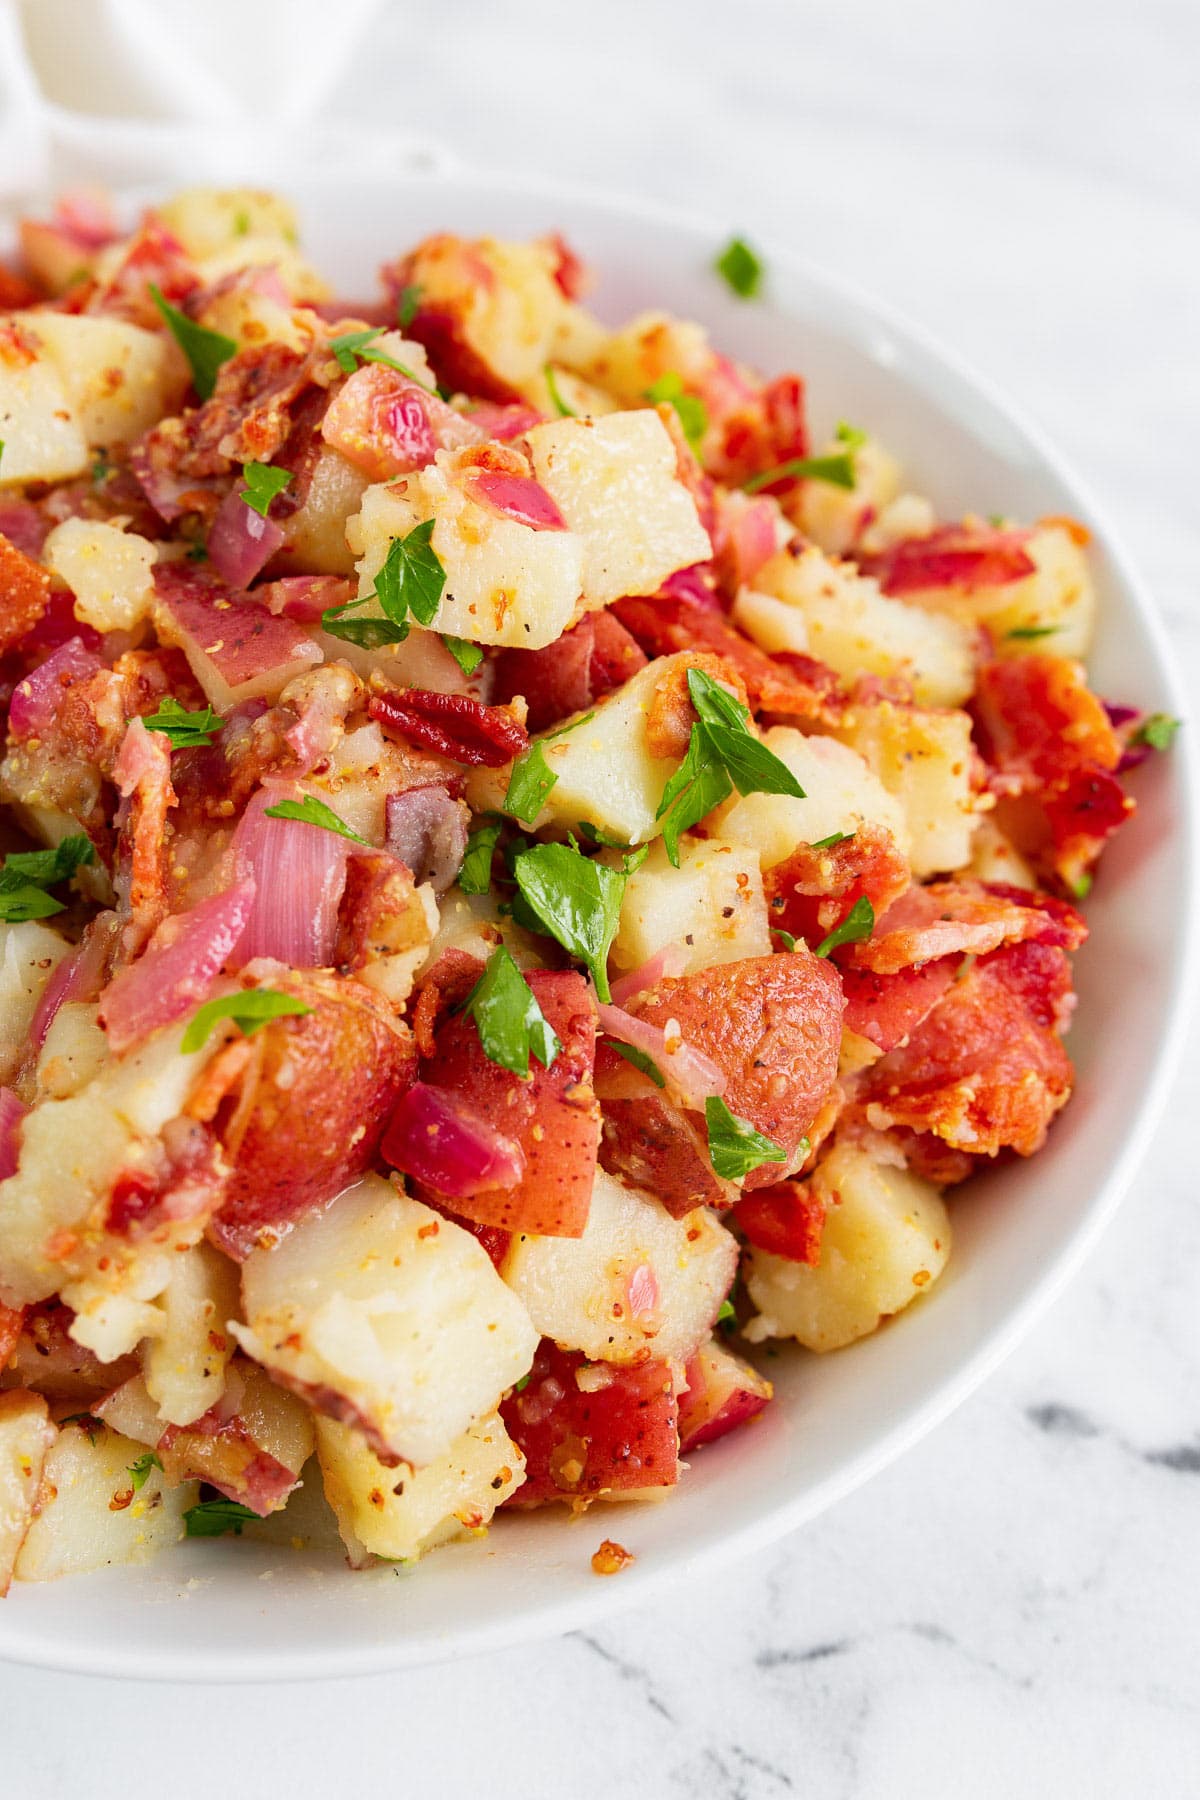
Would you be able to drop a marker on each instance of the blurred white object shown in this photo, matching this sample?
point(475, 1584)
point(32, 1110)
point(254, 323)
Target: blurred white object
point(122, 92)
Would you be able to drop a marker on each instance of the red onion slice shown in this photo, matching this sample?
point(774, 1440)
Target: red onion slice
point(442, 1143)
point(299, 871)
point(180, 965)
point(662, 966)
point(516, 497)
point(692, 1074)
point(38, 697)
point(241, 542)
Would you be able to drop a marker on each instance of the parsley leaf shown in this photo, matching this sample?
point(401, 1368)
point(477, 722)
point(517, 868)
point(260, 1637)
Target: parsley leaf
point(733, 1144)
point(1033, 631)
point(510, 1022)
point(850, 435)
point(529, 783)
point(722, 754)
point(1157, 731)
point(467, 655)
point(205, 350)
point(26, 874)
point(250, 1009)
point(741, 268)
point(186, 730)
point(835, 837)
point(86, 1421)
point(213, 1518)
point(689, 408)
point(577, 900)
point(355, 347)
point(368, 634)
point(639, 1059)
point(263, 482)
point(596, 834)
point(475, 876)
point(837, 470)
point(311, 811)
point(409, 580)
point(789, 942)
point(522, 1383)
point(727, 1315)
point(407, 303)
point(560, 406)
point(140, 1470)
point(858, 924)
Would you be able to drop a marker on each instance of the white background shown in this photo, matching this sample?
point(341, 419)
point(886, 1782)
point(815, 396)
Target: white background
point(1012, 1609)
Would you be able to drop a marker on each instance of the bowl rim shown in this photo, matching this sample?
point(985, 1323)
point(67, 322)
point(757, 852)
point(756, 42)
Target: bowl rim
point(646, 1580)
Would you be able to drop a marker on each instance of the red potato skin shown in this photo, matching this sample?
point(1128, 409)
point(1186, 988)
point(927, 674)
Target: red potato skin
point(294, 1146)
point(578, 1446)
point(787, 1219)
point(228, 1458)
point(884, 1009)
point(773, 1024)
point(722, 1393)
point(24, 591)
point(813, 890)
point(652, 1144)
point(568, 675)
point(554, 1114)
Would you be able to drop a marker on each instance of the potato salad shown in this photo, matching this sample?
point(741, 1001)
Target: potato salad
point(529, 881)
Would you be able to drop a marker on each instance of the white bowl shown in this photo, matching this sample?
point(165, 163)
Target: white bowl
point(209, 1610)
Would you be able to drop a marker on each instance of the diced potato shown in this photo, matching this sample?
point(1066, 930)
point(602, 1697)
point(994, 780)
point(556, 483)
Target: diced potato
point(394, 1315)
point(636, 1281)
point(119, 378)
point(25, 1436)
point(886, 1239)
point(91, 1516)
point(908, 515)
point(606, 775)
point(505, 583)
point(252, 319)
point(206, 219)
point(1058, 599)
point(628, 361)
point(470, 922)
point(994, 857)
point(923, 758)
point(29, 954)
point(712, 906)
point(855, 628)
point(584, 398)
point(314, 536)
point(834, 517)
point(401, 1513)
point(41, 433)
point(840, 794)
point(109, 571)
point(615, 483)
point(186, 1358)
point(363, 768)
point(305, 1522)
point(73, 1053)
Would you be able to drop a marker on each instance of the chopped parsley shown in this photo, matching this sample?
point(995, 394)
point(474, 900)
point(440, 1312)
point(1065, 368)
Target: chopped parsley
point(205, 350)
point(511, 1024)
point(311, 811)
point(355, 347)
point(733, 1144)
point(850, 435)
point(689, 408)
point(1158, 731)
point(186, 730)
point(858, 924)
point(26, 874)
point(835, 837)
point(467, 655)
point(263, 482)
point(140, 1470)
point(785, 937)
point(475, 876)
point(528, 784)
point(560, 406)
point(837, 470)
point(722, 754)
point(213, 1518)
point(407, 303)
point(727, 1317)
point(410, 580)
point(1033, 631)
point(741, 268)
point(639, 1059)
point(577, 901)
point(250, 1009)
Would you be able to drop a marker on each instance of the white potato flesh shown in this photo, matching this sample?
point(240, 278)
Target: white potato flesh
point(578, 1290)
point(252, 319)
point(26, 1434)
point(923, 758)
point(91, 1516)
point(515, 322)
point(628, 361)
point(886, 1240)
point(835, 517)
point(305, 1521)
point(711, 907)
point(396, 1313)
point(29, 954)
point(605, 773)
point(314, 536)
point(614, 480)
point(772, 623)
point(186, 1358)
point(206, 219)
point(505, 583)
point(908, 515)
point(109, 571)
point(119, 378)
point(470, 922)
point(840, 794)
point(401, 1513)
point(73, 1053)
point(42, 436)
point(994, 857)
point(853, 626)
point(1058, 599)
point(261, 250)
point(71, 1152)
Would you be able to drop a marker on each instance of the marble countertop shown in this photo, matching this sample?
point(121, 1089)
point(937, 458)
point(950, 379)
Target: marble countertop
point(1012, 1607)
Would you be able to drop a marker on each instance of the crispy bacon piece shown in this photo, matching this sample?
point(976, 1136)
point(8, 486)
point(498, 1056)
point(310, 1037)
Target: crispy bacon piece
point(756, 430)
point(380, 914)
point(186, 1184)
point(142, 774)
point(454, 725)
point(813, 890)
point(787, 1219)
point(11, 1320)
point(24, 591)
point(554, 1115)
point(949, 918)
point(986, 1070)
point(619, 1430)
point(449, 981)
point(885, 1009)
point(570, 271)
point(570, 674)
point(968, 557)
point(15, 291)
point(652, 1143)
point(153, 254)
point(773, 1024)
point(789, 687)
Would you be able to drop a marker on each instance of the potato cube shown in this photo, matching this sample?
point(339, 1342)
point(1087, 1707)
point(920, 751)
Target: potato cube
point(41, 433)
point(29, 954)
point(835, 517)
point(186, 1358)
point(840, 794)
point(25, 1436)
point(378, 1310)
point(206, 219)
point(712, 906)
point(923, 759)
point(1058, 599)
point(119, 378)
point(886, 1239)
point(636, 1281)
point(108, 569)
point(615, 483)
